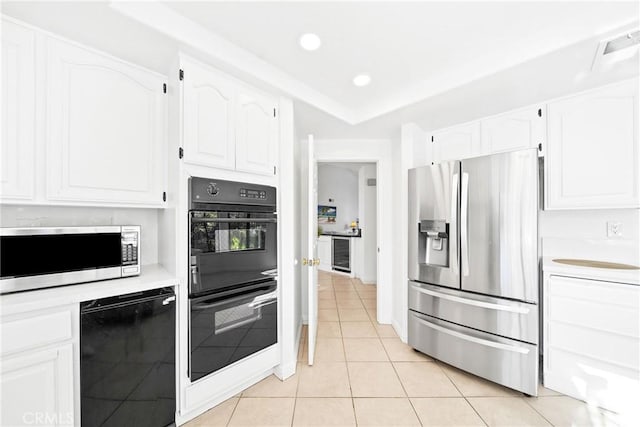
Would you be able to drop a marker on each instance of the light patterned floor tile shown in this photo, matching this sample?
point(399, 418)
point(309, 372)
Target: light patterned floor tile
point(216, 416)
point(358, 330)
point(273, 386)
point(323, 379)
point(327, 294)
point(349, 303)
point(386, 412)
point(329, 330)
point(446, 412)
point(364, 350)
point(566, 411)
point(370, 302)
point(374, 379)
point(385, 331)
point(259, 411)
point(326, 411)
point(328, 315)
point(543, 391)
point(473, 386)
point(401, 352)
point(324, 304)
point(353, 315)
point(506, 411)
point(425, 379)
point(329, 350)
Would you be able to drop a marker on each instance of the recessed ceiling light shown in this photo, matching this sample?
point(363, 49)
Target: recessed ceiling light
point(310, 41)
point(362, 80)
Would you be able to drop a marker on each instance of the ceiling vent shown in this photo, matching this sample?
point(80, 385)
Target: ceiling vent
point(619, 48)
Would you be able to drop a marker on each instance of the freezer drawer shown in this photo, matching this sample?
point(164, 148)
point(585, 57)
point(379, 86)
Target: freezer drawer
point(498, 316)
point(511, 363)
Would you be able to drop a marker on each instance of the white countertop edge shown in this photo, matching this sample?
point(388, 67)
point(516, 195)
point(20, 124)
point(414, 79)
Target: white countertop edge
point(151, 277)
point(631, 277)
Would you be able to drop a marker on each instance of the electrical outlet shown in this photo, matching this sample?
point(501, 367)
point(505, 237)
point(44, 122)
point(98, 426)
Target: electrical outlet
point(614, 229)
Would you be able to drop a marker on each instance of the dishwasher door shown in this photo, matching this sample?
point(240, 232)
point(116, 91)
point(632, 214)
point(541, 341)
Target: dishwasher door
point(127, 360)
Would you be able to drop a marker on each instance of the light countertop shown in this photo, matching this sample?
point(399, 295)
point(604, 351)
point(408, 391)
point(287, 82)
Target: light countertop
point(151, 277)
point(604, 274)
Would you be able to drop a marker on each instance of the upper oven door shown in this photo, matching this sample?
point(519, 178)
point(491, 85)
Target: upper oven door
point(228, 249)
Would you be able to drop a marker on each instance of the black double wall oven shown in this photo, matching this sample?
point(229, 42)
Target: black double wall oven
point(232, 273)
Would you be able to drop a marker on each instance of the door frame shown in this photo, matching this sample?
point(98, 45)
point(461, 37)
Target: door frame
point(379, 153)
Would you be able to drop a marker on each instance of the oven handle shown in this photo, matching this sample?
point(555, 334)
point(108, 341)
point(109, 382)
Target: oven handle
point(235, 220)
point(263, 300)
point(218, 301)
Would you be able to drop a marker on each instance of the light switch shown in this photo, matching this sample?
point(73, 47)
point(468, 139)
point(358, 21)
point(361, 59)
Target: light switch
point(614, 229)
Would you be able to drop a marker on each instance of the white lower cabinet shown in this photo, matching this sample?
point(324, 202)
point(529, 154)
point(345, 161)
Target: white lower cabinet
point(324, 253)
point(37, 388)
point(37, 368)
point(592, 341)
point(593, 150)
point(106, 129)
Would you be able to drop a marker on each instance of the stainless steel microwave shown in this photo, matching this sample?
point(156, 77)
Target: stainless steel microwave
point(42, 257)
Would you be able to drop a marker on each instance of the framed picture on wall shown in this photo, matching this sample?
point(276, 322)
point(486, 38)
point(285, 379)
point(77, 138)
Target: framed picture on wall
point(326, 214)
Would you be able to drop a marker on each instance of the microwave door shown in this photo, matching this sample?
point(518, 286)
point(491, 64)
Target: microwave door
point(434, 193)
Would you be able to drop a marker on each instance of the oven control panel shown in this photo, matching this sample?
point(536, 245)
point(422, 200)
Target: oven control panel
point(253, 194)
point(207, 190)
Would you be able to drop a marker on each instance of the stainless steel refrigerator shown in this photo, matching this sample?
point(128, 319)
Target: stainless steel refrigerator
point(473, 266)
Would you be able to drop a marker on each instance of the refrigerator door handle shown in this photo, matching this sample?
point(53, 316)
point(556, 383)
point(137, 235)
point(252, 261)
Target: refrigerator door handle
point(476, 303)
point(464, 224)
point(453, 229)
point(473, 339)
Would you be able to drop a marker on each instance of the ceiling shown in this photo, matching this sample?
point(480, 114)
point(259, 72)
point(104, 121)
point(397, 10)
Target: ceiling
point(432, 63)
point(412, 50)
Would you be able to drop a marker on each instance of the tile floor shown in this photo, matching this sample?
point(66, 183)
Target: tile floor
point(364, 375)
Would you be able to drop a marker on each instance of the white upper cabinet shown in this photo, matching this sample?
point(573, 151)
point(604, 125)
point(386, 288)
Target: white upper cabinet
point(106, 122)
point(593, 154)
point(209, 117)
point(257, 133)
point(457, 142)
point(18, 112)
point(515, 130)
point(225, 123)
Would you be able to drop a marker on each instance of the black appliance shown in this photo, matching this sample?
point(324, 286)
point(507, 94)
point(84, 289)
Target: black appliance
point(42, 257)
point(127, 360)
point(233, 268)
point(341, 254)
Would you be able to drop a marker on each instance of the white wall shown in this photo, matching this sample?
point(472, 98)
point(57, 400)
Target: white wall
point(68, 216)
point(341, 185)
point(367, 212)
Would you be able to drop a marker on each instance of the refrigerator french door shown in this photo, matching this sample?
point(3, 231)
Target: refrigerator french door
point(473, 266)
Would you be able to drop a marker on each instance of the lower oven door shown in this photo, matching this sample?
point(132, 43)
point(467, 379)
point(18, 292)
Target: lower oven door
point(225, 329)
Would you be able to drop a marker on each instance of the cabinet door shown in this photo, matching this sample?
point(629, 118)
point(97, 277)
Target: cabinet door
point(18, 112)
point(257, 133)
point(458, 142)
point(593, 152)
point(106, 129)
point(515, 130)
point(209, 98)
point(324, 253)
point(37, 388)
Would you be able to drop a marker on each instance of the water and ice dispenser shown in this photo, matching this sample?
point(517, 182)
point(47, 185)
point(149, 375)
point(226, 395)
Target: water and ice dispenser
point(433, 243)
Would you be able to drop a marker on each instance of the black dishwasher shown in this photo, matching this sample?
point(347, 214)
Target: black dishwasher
point(127, 360)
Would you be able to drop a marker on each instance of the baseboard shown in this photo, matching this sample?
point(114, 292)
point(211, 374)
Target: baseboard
point(285, 370)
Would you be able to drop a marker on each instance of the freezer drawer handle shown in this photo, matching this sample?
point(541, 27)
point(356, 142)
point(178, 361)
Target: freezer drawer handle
point(519, 310)
point(480, 341)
